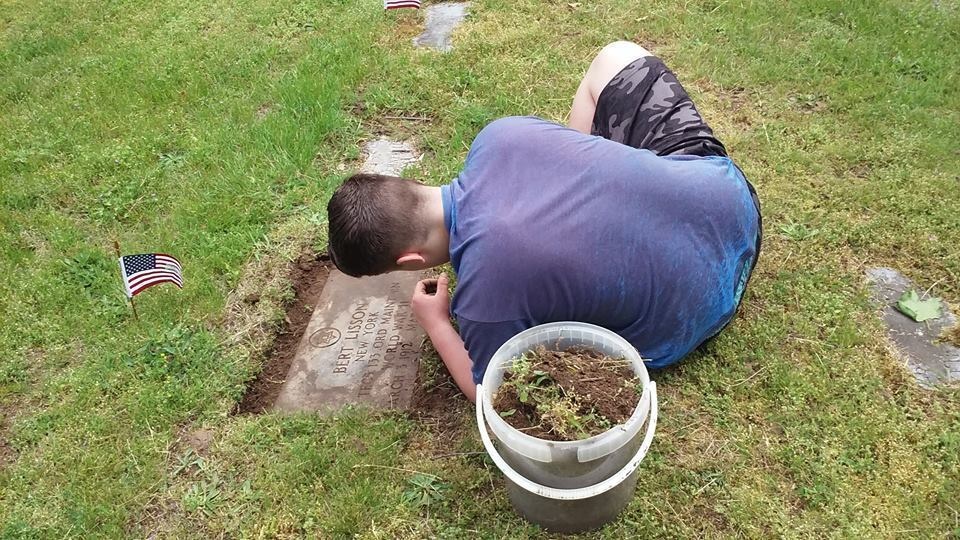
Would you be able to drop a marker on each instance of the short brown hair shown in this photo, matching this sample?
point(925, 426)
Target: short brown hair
point(372, 219)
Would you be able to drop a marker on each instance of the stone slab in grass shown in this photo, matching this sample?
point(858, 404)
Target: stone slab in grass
point(932, 362)
point(442, 19)
point(362, 346)
point(386, 156)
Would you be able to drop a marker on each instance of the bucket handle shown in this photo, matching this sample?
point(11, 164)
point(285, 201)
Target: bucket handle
point(574, 493)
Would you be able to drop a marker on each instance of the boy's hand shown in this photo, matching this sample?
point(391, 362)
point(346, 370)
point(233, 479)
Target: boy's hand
point(431, 302)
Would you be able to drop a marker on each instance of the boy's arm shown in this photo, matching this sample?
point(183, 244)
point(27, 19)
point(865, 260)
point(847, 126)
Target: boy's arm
point(432, 312)
point(454, 355)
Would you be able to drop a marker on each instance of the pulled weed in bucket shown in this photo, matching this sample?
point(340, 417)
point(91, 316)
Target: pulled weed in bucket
point(567, 395)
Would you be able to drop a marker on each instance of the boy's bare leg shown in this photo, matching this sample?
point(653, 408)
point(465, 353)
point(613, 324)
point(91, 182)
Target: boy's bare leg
point(608, 62)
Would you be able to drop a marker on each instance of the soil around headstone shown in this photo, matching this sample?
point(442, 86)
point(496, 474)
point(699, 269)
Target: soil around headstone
point(361, 347)
point(438, 404)
point(436, 400)
point(597, 392)
point(308, 275)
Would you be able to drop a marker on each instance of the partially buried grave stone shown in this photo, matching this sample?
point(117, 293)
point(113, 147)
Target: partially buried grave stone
point(385, 156)
point(362, 346)
point(931, 362)
point(442, 19)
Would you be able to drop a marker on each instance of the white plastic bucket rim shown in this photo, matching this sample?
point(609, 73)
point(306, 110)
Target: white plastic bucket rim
point(575, 493)
point(646, 410)
point(587, 449)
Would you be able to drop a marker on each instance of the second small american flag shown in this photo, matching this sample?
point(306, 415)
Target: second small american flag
point(396, 4)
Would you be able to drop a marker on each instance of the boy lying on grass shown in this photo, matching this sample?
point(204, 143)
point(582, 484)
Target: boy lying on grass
point(632, 218)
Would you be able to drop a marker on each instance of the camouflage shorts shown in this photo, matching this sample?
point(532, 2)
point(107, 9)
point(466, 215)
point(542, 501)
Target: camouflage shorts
point(644, 106)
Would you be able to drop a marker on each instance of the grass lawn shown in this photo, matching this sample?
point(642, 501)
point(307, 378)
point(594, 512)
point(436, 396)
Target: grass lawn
point(217, 130)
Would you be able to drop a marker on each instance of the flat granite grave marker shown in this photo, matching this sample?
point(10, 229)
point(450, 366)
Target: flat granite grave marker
point(931, 362)
point(385, 156)
point(362, 346)
point(441, 21)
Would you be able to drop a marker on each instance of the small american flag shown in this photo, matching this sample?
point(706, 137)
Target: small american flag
point(395, 4)
point(143, 271)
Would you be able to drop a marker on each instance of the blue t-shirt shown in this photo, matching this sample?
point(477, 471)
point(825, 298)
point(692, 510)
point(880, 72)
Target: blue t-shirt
point(548, 224)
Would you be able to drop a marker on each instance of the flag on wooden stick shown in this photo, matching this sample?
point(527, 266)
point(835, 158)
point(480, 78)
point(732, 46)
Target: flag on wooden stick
point(140, 272)
point(396, 4)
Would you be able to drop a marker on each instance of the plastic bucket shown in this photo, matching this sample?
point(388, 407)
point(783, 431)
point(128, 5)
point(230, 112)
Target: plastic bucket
point(568, 486)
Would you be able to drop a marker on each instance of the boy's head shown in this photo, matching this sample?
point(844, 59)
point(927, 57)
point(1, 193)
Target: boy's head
point(373, 219)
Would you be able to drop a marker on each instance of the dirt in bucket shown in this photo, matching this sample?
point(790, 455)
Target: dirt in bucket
point(567, 395)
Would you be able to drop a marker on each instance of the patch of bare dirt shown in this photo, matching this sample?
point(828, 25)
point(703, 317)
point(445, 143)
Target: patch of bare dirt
point(437, 401)
point(308, 275)
point(199, 440)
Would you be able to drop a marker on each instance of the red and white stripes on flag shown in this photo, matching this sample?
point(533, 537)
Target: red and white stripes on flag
point(143, 271)
point(396, 4)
